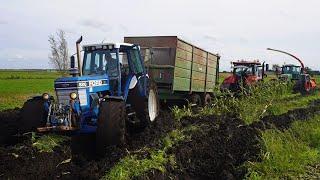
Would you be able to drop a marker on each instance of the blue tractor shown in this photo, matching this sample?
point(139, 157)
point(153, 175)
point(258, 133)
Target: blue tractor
point(107, 92)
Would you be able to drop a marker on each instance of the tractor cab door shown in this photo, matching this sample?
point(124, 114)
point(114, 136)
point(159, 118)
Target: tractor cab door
point(135, 70)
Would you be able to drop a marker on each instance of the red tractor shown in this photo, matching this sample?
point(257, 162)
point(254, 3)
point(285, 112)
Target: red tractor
point(303, 82)
point(245, 73)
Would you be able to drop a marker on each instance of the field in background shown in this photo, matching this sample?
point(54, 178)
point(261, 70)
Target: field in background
point(17, 86)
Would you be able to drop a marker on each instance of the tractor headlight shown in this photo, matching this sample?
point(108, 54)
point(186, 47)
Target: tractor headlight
point(73, 95)
point(45, 96)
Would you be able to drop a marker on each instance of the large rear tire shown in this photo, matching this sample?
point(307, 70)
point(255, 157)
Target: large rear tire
point(33, 115)
point(146, 108)
point(111, 125)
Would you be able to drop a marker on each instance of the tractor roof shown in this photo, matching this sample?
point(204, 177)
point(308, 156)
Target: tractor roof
point(116, 45)
point(246, 63)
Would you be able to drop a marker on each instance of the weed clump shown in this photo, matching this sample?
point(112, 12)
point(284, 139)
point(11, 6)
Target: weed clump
point(134, 166)
point(47, 143)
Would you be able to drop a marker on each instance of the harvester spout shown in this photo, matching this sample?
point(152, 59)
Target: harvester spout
point(300, 61)
point(79, 55)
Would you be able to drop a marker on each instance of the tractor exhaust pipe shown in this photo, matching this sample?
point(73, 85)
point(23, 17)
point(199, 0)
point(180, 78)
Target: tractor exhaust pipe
point(263, 70)
point(79, 55)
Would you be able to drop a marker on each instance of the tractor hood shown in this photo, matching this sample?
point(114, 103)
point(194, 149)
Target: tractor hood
point(227, 82)
point(84, 86)
point(81, 82)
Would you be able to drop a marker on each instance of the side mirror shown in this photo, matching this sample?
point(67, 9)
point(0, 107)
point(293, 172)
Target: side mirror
point(72, 62)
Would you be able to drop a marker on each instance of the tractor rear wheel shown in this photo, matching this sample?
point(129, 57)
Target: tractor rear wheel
point(111, 125)
point(33, 115)
point(150, 108)
point(145, 108)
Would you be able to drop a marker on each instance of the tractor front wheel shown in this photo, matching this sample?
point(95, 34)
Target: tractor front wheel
point(33, 115)
point(111, 125)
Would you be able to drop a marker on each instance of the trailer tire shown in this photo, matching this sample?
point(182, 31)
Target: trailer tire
point(33, 115)
point(111, 125)
point(195, 100)
point(207, 100)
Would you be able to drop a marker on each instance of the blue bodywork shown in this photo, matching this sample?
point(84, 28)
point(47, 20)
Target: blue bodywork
point(93, 88)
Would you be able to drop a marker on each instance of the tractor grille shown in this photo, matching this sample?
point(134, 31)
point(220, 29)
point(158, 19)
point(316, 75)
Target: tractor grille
point(64, 96)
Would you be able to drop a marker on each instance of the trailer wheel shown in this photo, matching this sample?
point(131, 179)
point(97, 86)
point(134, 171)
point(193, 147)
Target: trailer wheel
point(195, 100)
point(33, 115)
point(111, 125)
point(207, 100)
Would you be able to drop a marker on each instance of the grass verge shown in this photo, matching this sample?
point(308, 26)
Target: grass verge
point(289, 153)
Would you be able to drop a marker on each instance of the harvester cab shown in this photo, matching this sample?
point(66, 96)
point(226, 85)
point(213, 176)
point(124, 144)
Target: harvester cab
point(109, 89)
point(245, 73)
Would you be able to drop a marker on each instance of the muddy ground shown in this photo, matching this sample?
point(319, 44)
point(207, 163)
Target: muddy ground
point(217, 151)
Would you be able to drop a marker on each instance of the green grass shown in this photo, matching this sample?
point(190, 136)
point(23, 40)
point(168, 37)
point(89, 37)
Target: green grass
point(290, 102)
point(17, 86)
point(4, 74)
point(288, 154)
point(47, 143)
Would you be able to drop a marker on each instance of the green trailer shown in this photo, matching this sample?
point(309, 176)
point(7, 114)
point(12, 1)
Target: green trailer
point(180, 69)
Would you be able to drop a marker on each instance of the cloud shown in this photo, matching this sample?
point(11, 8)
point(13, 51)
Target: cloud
point(3, 22)
point(210, 38)
point(95, 24)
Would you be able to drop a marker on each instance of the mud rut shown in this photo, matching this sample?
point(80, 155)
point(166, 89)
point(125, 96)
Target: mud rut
point(217, 151)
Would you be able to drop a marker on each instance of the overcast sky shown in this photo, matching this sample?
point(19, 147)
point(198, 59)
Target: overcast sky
point(238, 29)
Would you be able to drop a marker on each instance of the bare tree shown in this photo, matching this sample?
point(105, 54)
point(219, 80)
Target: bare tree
point(59, 51)
point(275, 67)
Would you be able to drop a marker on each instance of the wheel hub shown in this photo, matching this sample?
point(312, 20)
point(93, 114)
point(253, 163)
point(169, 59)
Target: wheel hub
point(152, 105)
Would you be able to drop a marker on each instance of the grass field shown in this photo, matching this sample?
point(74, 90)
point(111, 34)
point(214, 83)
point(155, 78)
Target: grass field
point(17, 86)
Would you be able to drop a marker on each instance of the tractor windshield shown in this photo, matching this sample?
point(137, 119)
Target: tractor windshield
point(240, 70)
point(101, 62)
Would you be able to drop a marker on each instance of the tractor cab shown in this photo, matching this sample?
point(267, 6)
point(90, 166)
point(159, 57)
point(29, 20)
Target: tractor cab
point(244, 73)
point(247, 68)
point(290, 72)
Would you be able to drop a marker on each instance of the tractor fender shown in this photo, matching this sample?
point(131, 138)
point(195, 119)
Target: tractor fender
point(132, 82)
